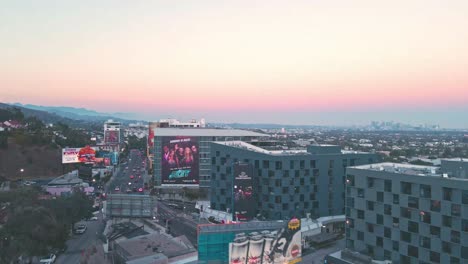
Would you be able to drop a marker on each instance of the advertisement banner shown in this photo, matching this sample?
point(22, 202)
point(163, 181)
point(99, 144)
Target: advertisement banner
point(111, 136)
point(244, 202)
point(179, 161)
point(269, 246)
point(85, 155)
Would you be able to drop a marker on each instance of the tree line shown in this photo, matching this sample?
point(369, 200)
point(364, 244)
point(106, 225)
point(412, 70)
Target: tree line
point(37, 226)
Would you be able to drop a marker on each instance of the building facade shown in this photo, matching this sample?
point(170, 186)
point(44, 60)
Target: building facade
point(200, 138)
point(407, 213)
point(285, 183)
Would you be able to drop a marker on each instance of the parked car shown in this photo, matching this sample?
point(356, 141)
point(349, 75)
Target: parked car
point(80, 229)
point(48, 259)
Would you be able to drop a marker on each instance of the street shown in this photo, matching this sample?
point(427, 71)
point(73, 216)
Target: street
point(133, 168)
point(77, 244)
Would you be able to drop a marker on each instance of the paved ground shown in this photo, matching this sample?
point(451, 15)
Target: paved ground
point(318, 255)
point(78, 244)
point(133, 167)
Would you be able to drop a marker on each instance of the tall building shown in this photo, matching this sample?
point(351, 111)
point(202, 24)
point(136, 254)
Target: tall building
point(283, 183)
point(112, 132)
point(182, 156)
point(408, 213)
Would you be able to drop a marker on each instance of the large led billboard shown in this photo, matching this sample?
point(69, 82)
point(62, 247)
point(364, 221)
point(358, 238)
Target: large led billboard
point(85, 155)
point(179, 161)
point(244, 201)
point(268, 246)
point(111, 136)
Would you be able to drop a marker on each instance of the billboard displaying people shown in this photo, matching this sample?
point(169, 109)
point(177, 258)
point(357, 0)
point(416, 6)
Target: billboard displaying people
point(179, 161)
point(111, 136)
point(244, 202)
point(269, 246)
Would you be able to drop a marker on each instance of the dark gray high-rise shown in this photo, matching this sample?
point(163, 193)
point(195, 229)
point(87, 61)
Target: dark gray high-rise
point(408, 213)
point(285, 183)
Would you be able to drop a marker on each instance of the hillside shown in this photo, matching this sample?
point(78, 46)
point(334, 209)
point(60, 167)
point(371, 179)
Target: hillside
point(37, 161)
point(78, 113)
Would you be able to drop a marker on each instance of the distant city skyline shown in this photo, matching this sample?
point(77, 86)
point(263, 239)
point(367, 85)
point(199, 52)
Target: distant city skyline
point(300, 62)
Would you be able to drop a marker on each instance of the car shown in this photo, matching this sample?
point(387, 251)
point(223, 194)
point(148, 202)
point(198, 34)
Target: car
point(134, 189)
point(117, 189)
point(80, 229)
point(48, 259)
point(94, 218)
point(140, 189)
point(131, 176)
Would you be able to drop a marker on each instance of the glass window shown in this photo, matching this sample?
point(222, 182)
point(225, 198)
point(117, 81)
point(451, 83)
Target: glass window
point(360, 235)
point(447, 194)
point(447, 221)
point(465, 225)
point(464, 252)
point(435, 231)
point(456, 210)
point(396, 199)
point(424, 242)
point(434, 257)
point(380, 197)
point(413, 251)
point(435, 205)
point(446, 247)
point(379, 219)
point(388, 185)
point(387, 209)
point(405, 236)
point(387, 232)
point(396, 245)
point(413, 202)
point(406, 187)
point(370, 205)
point(413, 227)
point(360, 193)
point(379, 242)
point(455, 237)
point(396, 222)
point(425, 191)
point(370, 182)
point(360, 214)
point(425, 217)
point(370, 228)
point(405, 212)
point(465, 197)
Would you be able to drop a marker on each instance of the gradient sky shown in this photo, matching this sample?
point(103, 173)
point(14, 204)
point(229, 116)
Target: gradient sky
point(292, 62)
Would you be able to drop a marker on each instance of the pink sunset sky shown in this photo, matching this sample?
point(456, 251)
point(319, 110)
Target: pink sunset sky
point(237, 60)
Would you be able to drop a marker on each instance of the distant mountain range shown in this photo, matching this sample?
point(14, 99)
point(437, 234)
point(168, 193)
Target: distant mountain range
point(78, 113)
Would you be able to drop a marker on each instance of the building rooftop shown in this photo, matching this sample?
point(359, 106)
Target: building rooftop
point(408, 169)
point(206, 132)
point(151, 244)
point(458, 159)
point(70, 178)
point(250, 147)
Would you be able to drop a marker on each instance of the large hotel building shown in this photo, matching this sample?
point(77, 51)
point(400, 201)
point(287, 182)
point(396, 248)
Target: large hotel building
point(407, 213)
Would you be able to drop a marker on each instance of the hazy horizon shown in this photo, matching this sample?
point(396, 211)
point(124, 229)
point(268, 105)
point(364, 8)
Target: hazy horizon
point(301, 62)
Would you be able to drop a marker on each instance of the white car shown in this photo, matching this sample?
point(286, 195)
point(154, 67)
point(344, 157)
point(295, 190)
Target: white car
point(48, 260)
point(117, 189)
point(94, 218)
